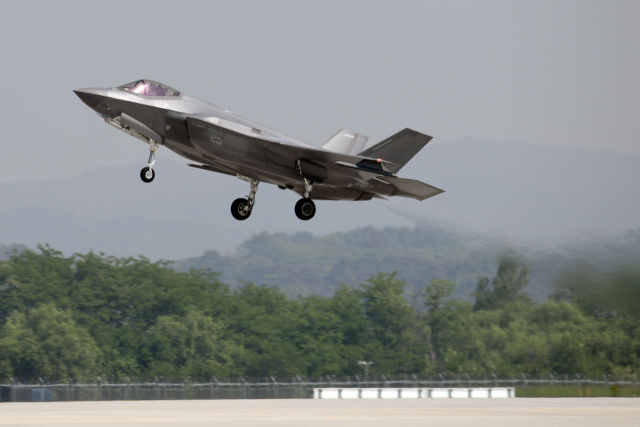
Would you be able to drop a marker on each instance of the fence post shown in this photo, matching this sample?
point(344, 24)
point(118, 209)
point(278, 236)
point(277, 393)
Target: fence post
point(12, 393)
point(99, 388)
point(244, 388)
point(294, 387)
point(579, 384)
point(275, 387)
point(155, 389)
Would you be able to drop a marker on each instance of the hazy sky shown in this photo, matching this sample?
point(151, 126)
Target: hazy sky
point(563, 74)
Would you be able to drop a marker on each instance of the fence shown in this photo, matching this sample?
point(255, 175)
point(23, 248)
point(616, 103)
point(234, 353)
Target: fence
point(294, 388)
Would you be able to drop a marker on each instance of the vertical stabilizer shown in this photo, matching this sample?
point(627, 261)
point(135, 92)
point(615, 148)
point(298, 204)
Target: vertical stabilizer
point(346, 142)
point(399, 148)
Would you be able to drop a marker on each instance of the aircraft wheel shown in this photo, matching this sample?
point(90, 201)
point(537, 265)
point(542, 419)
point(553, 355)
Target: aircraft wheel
point(237, 209)
point(147, 174)
point(305, 209)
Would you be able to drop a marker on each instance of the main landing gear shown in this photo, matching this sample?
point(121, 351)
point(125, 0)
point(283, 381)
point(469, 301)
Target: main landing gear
point(241, 208)
point(305, 208)
point(147, 174)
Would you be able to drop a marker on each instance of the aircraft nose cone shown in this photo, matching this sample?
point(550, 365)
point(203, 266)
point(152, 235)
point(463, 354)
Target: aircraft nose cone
point(91, 96)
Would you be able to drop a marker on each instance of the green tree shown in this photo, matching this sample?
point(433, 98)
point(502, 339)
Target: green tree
point(386, 308)
point(510, 280)
point(392, 322)
point(437, 292)
point(265, 323)
point(45, 342)
point(189, 345)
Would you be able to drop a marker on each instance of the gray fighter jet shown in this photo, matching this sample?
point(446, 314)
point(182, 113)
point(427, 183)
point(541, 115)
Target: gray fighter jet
point(221, 141)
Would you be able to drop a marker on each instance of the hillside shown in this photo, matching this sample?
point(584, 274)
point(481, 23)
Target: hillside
point(303, 264)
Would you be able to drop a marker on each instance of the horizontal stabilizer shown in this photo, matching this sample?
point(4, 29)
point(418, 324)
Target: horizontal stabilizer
point(399, 148)
point(411, 188)
point(346, 142)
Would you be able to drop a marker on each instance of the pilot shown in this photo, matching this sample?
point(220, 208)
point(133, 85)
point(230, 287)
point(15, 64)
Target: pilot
point(155, 90)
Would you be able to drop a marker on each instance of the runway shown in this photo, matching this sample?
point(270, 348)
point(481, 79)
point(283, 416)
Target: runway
point(518, 412)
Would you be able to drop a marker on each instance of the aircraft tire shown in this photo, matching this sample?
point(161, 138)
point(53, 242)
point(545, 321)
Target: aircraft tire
point(236, 209)
point(305, 209)
point(143, 174)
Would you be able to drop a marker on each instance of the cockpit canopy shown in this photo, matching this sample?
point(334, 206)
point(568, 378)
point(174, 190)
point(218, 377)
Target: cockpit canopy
point(150, 88)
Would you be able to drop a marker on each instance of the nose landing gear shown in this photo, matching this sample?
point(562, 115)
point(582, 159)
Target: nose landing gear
point(241, 208)
point(147, 174)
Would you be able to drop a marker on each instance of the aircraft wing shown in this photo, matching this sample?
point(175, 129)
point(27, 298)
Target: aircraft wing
point(213, 133)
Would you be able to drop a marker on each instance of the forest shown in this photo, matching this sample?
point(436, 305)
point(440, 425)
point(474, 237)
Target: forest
point(89, 314)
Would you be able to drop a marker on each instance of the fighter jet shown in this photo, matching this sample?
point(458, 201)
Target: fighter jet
point(221, 141)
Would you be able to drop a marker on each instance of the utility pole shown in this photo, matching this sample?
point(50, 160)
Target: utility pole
point(366, 369)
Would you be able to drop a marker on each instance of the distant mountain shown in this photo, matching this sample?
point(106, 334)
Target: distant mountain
point(304, 264)
point(519, 194)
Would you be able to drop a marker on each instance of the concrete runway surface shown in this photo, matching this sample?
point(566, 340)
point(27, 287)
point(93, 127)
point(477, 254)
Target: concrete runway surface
point(523, 412)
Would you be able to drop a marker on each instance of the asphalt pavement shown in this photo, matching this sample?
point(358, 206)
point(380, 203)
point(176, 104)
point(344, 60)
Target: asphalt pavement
point(518, 412)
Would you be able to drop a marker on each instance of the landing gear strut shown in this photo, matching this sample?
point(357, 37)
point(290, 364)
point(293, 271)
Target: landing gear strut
point(147, 174)
point(241, 208)
point(305, 208)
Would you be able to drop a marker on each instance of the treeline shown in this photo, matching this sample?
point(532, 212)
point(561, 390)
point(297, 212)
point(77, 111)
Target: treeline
point(88, 315)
